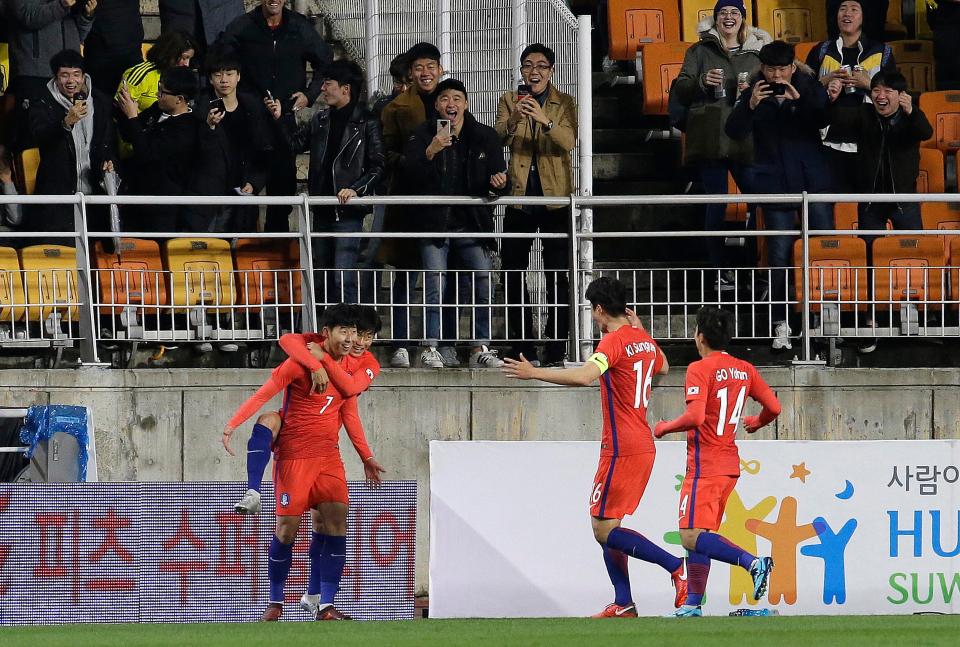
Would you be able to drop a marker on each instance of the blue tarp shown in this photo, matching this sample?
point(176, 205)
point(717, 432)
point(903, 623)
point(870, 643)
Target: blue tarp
point(44, 421)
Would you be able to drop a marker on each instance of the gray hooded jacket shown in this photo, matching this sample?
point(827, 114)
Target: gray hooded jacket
point(38, 30)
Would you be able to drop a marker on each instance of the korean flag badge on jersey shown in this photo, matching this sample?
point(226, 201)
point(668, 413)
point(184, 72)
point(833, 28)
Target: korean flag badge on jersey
point(693, 390)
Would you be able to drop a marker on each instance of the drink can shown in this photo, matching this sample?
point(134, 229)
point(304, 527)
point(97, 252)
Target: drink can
point(719, 92)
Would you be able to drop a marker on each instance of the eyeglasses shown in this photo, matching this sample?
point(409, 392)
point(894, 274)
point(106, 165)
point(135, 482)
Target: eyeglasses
point(732, 13)
point(540, 67)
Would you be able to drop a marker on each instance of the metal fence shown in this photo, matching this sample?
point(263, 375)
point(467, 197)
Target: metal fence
point(56, 296)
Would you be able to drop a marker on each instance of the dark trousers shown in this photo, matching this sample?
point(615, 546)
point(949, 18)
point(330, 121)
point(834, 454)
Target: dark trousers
point(282, 180)
point(26, 89)
point(714, 180)
point(946, 51)
point(780, 248)
point(516, 257)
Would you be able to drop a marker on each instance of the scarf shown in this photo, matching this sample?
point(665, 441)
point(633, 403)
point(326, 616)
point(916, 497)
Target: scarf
point(82, 133)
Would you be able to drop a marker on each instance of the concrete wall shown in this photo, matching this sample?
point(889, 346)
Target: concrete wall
point(165, 425)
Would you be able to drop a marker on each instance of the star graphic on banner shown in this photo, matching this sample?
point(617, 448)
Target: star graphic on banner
point(800, 472)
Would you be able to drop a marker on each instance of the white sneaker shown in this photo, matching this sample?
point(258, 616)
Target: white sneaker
point(310, 603)
point(400, 358)
point(229, 347)
point(431, 358)
point(485, 358)
point(249, 504)
point(781, 334)
point(204, 348)
point(449, 355)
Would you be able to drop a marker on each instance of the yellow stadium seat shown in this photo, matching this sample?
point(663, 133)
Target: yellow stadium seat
point(932, 172)
point(921, 26)
point(915, 61)
point(261, 278)
point(661, 65)
point(4, 66)
point(795, 21)
point(201, 273)
point(908, 268)
point(27, 162)
point(837, 270)
point(894, 27)
point(144, 48)
point(693, 11)
point(635, 23)
point(12, 296)
point(50, 276)
point(943, 111)
point(133, 277)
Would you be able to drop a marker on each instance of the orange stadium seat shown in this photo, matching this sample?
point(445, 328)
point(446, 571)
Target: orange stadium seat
point(260, 279)
point(945, 216)
point(50, 277)
point(932, 171)
point(955, 272)
point(736, 211)
point(845, 215)
point(132, 277)
point(795, 21)
point(894, 26)
point(693, 11)
point(915, 61)
point(201, 273)
point(943, 111)
point(908, 268)
point(12, 296)
point(661, 65)
point(636, 23)
point(802, 50)
point(837, 270)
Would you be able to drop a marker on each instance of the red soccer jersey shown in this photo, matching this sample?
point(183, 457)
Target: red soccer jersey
point(311, 421)
point(628, 359)
point(723, 382)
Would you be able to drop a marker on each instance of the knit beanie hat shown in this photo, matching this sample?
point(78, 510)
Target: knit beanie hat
point(736, 4)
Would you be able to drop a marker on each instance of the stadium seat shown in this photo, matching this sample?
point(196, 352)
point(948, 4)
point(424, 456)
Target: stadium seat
point(144, 48)
point(845, 215)
point(921, 28)
point(200, 273)
point(26, 164)
point(132, 277)
point(795, 21)
point(932, 171)
point(736, 211)
point(50, 277)
point(802, 50)
point(955, 272)
point(915, 61)
point(943, 111)
point(12, 296)
point(636, 23)
point(4, 66)
point(693, 11)
point(661, 65)
point(894, 27)
point(908, 268)
point(945, 216)
point(837, 270)
point(260, 276)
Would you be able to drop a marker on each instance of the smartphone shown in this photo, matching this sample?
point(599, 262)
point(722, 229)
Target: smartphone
point(79, 97)
point(216, 104)
point(524, 90)
point(778, 89)
point(444, 127)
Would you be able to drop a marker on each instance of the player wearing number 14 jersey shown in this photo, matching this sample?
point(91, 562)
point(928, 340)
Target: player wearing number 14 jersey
point(625, 362)
point(716, 387)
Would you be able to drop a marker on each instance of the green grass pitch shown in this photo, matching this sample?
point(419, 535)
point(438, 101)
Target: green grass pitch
point(831, 631)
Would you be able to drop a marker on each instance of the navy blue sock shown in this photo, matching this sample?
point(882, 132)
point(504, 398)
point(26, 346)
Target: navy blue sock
point(281, 557)
point(258, 455)
point(723, 550)
point(316, 561)
point(698, 569)
point(331, 567)
point(616, 562)
point(636, 545)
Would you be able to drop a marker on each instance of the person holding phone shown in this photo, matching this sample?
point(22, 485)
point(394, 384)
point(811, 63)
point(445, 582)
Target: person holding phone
point(538, 124)
point(788, 158)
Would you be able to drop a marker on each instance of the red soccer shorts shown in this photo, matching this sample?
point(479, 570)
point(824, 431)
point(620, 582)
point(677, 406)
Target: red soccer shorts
point(302, 483)
point(703, 500)
point(619, 485)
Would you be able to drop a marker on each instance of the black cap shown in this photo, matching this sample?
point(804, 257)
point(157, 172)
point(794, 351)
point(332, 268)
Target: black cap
point(777, 54)
point(451, 84)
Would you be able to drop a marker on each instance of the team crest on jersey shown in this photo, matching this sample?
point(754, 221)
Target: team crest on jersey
point(693, 390)
point(284, 499)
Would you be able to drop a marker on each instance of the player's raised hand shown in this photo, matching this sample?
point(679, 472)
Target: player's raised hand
point(660, 430)
point(320, 380)
point(518, 369)
point(751, 424)
point(227, 433)
point(634, 319)
point(372, 471)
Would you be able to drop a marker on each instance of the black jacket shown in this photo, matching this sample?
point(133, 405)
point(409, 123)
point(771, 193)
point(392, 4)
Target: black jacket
point(214, 14)
point(117, 29)
point(359, 162)
point(788, 154)
point(57, 174)
point(484, 153)
point(276, 60)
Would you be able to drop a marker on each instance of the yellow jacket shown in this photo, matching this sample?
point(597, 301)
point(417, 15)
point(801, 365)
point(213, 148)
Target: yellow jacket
point(143, 83)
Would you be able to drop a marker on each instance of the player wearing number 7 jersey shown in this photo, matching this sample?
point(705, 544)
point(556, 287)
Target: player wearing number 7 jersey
point(625, 362)
point(716, 388)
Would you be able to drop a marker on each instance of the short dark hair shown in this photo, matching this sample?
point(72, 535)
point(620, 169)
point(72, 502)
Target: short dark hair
point(893, 80)
point(341, 314)
point(169, 47)
point(221, 59)
point(400, 67)
point(451, 84)
point(346, 73)
point(539, 48)
point(608, 293)
point(777, 53)
point(422, 50)
point(181, 81)
point(716, 326)
point(69, 58)
point(368, 320)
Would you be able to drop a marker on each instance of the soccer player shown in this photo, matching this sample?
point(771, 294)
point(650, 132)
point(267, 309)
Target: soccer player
point(626, 359)
point(716, 388)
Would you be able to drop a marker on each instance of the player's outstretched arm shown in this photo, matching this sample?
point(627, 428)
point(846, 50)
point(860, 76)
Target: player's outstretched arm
point(692, 418)
point(350, 385)
point(521, 369)
point(763, 394)
point(350, 417)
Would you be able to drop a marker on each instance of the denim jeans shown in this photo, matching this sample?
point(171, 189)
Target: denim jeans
point(780, 248)
point(337, 258)
point(714, 179)
point(472, 257)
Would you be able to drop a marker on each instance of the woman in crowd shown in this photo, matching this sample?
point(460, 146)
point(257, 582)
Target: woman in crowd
point(172, 49)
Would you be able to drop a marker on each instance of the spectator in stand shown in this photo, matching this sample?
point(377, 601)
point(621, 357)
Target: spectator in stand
point(204, 20)
point(400, 73)
point(38, 29)
point(164, 146)
point(944, 20)
point(346, 160)
point(12, 214)
point(399, 119)
point(274, 45)
point(539, 128)
point(235, 146)
point(114, 43)
point(463, 158)
point(784, 110)
point(874, 22)
point(727, 48)
point(73, 128)
point(172, 49)
point(853, 58)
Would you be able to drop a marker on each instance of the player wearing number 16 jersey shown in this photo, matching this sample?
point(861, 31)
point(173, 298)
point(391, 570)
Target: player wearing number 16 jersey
point(716, 387)
point(625, 362)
